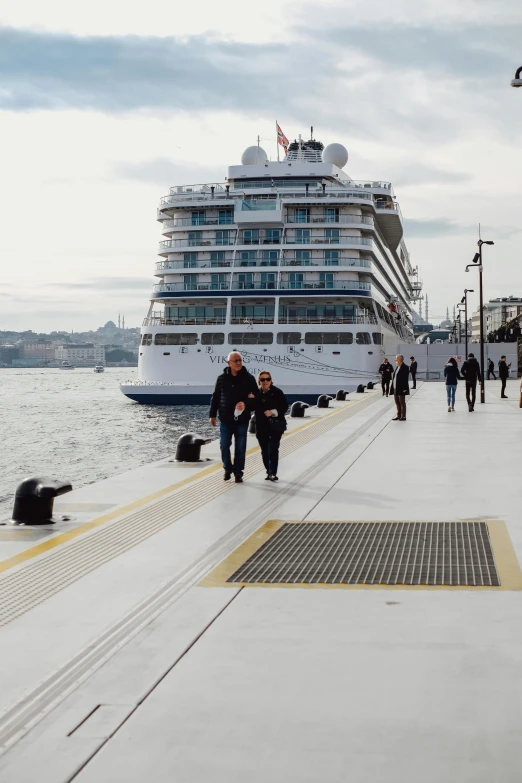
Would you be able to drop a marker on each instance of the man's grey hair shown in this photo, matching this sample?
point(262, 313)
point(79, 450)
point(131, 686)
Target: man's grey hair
point(400, 356)
point(233, 353)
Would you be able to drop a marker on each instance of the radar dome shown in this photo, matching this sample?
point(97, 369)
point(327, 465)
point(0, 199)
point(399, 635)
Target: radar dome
point(253, 156)
point(335, 155)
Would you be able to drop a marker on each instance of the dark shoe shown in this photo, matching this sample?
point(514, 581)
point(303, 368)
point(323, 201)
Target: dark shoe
point(403, 418)
point(268, 477)
point(227, 476)
point(273, 478)
point(503, 396)
point(396, 418)
point(239, 479)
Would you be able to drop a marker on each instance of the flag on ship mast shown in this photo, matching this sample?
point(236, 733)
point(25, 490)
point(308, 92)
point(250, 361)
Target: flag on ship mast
point(281, 139)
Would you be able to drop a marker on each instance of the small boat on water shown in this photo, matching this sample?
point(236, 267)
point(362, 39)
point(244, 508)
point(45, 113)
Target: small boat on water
point(66, 366)
point(99, 368)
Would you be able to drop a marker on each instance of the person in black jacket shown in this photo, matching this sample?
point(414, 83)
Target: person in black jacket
point(452, 375)
point(271, 406)
point(471, 372)
point(413, 371)
point(386, 372)
point(233, 399)
point(491, 370)
point(400, 387)
point(503, 374)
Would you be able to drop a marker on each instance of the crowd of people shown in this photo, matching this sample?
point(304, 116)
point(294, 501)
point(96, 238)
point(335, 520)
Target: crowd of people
point(237, 397)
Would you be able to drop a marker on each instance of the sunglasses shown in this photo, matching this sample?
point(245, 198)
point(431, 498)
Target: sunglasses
point(265, 380)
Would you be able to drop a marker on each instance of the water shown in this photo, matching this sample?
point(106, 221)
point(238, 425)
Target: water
point(76, 425)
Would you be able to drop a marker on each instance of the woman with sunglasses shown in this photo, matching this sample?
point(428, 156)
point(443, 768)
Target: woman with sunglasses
point(271, 406)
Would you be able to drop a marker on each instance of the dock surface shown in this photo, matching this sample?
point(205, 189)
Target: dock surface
point(135, 648)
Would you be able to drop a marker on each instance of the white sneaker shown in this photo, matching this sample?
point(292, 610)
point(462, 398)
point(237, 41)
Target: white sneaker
point(449, 408)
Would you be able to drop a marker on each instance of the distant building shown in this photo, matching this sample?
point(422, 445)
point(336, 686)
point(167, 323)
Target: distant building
point(502, 310)
point(80, 352)
point(42, 351)
point(475, 326)
point(8, 353)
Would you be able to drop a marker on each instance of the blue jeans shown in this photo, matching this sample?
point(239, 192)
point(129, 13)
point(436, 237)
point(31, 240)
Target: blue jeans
point(450, 391)
point(270, 451)
point(239, 432)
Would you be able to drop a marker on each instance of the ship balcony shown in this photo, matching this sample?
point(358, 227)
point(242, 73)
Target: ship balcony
point(389, 220)
point(304, 220)
point(161, 320)
point(170, 245)
point(175, 224)
point(326, 285)
point(328, 240)
point(164, 267)
point(167, 290)
point(326, 260)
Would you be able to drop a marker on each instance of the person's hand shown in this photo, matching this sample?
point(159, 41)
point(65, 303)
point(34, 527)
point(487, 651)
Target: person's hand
point(251, 396)
point(268, 413)
point(213, 422)
point(240, 406)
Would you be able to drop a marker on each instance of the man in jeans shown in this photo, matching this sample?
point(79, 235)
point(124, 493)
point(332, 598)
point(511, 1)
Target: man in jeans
point(233, 399)
point(400, 387)
point(471, 372)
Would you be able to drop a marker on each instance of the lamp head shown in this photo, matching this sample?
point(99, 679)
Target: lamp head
point(517, 81)
point(488, 243)
point(476, 258)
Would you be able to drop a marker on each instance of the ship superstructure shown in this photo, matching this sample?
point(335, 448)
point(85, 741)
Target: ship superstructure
point(292, 263)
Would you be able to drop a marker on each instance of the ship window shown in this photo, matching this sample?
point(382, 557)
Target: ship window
point(250, 338)
point(377, 338)
point(363, 338)
point(302, 258)
point(176, 338)
point(225, 216)
point(328, 338)
point(212, 338)
point(146, 339)
point(289, 338)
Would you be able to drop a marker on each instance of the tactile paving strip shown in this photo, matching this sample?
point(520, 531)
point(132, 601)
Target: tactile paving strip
point(38, 580)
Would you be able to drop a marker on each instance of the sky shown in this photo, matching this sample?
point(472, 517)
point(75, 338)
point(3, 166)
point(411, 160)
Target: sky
point(105, 105)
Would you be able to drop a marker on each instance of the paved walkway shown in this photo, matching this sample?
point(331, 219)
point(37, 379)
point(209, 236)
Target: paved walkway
point(307, 684)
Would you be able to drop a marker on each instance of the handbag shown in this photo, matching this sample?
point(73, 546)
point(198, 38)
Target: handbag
point(277, 426)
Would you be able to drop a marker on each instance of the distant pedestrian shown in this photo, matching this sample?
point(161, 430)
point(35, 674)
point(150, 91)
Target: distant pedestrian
point(271, 406)
point(233, 399)
point(471, 372)
point(413, 371)
point(503, 374)
point(386, 372)
point(452, 375)
point(400, 388)
point(491, 370)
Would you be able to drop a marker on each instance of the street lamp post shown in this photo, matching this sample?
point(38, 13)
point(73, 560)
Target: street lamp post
point(464, 301)
point(477, 259)
point(460, 323)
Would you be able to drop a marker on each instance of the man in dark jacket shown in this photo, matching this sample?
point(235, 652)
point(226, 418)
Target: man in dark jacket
point(386, 371)
point(413, 371)
point(233, 399)
point(503, 374)
point(471, 372)
point(400, 387)
point(491, 370)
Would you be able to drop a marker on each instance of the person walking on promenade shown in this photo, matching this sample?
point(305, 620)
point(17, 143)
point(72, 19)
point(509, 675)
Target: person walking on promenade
point(503, 374)
point(386, 372)
point(233, 399)
point(452, 375)
point(491, 370)
point(471, 372)
point(413, 371)
point(400, 388)
point(271, 406)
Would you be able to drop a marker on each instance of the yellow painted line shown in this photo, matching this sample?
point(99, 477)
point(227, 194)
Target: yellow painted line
point(62, 538)
point(506, 562)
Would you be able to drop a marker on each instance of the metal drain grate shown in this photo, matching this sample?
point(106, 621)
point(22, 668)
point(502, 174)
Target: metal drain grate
point(374, 553)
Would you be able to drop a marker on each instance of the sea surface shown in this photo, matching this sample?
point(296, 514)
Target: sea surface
point(76, 425)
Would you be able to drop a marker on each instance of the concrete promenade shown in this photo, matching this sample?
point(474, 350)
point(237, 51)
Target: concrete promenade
point(250, 683)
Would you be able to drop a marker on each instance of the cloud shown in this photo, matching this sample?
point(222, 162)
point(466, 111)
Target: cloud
point(157, 171)
point(440, 228)
point(103, 284)
point(426, 175)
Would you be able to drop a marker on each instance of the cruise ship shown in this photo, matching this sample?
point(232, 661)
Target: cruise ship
point(292, 263)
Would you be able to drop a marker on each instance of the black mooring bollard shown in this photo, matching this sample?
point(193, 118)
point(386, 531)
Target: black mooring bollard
point(189, 447)
point(34, 499)
point(323, 400)
point(360, 389)
point(341, 395)
point(252, 425)
point(370, 385)
point(297, 411)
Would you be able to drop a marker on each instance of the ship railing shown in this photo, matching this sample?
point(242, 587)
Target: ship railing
point(348, 319)
point(247, 320)
point(188, 265)
point(339, 219)
point(175, 287)
point(198, 242)
point(324, 240)
point(258, 261)
point(203, 321)
point(335, 262)
point(197, 222)
point(301, 285)
point(353, 192)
